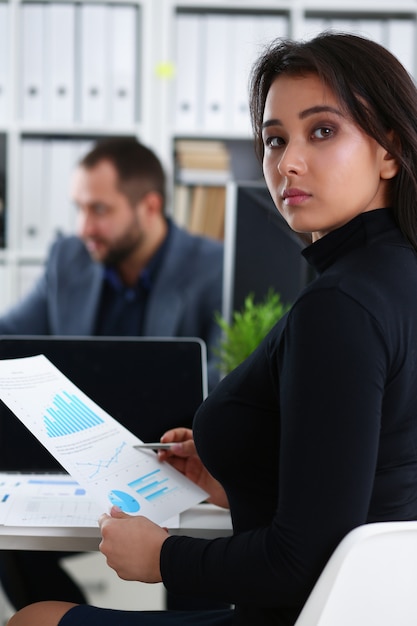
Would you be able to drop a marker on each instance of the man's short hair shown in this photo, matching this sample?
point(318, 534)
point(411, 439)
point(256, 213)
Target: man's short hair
point(138, 168)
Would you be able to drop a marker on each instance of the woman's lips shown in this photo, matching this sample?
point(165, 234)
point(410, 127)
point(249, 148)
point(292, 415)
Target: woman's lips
point(295, 196)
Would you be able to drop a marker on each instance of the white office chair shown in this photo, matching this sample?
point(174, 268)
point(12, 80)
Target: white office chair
point(370, 580)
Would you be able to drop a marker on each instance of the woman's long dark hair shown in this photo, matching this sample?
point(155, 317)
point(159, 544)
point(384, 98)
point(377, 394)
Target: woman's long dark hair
point(373, 87)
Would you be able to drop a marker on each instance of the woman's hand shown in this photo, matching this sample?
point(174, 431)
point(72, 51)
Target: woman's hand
point(132, 545)
point(183, 456)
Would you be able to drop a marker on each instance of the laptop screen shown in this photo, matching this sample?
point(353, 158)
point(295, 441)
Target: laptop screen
point(148, 384)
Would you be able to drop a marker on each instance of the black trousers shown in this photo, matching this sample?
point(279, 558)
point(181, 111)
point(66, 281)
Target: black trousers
point(92, 616)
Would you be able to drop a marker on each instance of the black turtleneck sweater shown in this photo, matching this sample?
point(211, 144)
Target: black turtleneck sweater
point(316, 432)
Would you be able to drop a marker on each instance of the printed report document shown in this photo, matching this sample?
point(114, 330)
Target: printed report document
point(47, 500)
point(97, 451)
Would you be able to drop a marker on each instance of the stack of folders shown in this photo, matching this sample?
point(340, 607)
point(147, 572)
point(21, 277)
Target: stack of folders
point(202, 171)
point(46, 207)
point(214, 54)
point(78, 62)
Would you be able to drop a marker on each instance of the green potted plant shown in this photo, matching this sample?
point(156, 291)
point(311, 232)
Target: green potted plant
point(247, 328)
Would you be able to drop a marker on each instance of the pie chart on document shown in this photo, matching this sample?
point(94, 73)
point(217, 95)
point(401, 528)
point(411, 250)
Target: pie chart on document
point(124, 501)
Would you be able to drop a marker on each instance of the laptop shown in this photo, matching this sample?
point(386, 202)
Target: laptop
point(148, 384)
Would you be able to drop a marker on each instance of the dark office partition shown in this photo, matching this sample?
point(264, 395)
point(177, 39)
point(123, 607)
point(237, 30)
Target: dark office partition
point(148, 384)
point(261, 251)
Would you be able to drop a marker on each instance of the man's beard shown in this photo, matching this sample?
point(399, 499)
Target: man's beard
point(123, 249)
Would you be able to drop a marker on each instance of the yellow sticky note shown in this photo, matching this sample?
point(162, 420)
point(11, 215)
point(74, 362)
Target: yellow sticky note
point(165, 69)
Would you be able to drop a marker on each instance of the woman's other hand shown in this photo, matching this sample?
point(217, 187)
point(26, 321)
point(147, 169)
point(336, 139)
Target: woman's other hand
point(183, 456)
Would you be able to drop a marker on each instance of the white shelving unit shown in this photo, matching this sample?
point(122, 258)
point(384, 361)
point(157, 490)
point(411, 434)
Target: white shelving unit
point(224, 37)
point(71, 72)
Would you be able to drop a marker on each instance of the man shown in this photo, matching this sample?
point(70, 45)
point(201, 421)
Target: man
point(130, 271)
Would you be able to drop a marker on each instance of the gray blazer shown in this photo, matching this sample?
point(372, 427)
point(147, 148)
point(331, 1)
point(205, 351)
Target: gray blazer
point(182, 302)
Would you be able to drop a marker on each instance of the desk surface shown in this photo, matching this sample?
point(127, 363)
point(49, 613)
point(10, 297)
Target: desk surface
point(203, 520)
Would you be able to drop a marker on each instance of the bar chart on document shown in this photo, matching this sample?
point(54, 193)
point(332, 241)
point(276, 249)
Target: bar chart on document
point(91, 446)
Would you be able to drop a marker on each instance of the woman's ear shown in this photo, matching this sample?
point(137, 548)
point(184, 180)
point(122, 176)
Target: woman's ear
point(390, 165)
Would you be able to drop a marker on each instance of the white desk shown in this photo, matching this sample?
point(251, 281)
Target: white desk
point(203, 520)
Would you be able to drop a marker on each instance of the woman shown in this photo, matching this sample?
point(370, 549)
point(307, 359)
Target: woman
point(316, 432)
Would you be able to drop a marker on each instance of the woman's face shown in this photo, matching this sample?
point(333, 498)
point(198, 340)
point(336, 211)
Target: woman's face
point(321, 169)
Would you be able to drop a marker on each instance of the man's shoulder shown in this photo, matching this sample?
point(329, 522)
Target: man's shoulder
point(69, 247)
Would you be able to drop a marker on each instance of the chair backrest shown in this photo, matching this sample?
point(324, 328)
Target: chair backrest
point(370, 580)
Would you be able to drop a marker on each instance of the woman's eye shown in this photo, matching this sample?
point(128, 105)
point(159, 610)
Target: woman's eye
point(274, 142)
point(322, 133)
